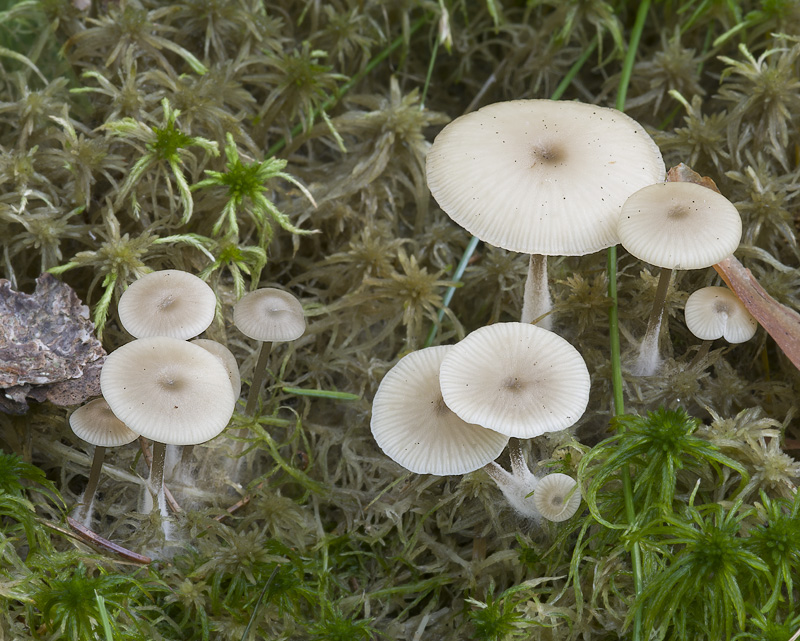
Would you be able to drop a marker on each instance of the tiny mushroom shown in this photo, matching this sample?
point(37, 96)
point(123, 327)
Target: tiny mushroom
point(716, 312)
point(96, 424)
point(515, 378)
point(170, 303)
point(554, 497)
point(414, 427)
point(541, 177)
point(271, 316)
point(675, 225)
point(170, 391)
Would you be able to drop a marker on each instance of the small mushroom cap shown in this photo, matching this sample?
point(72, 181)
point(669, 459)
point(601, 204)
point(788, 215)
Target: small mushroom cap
point(168, 390)
point(170, 303)
point(414, 427)
point(269, 314)
point(716, 312)
point(227, 359)
point(517, 379)
point(541, 176)
point(550, 497)
point(95, 423)
point(679, 225)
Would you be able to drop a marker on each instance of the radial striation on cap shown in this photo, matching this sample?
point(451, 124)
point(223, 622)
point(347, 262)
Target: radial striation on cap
point(269, 314)
point(168, 390)
point(679, 225)
point(227, 359)
point(170, 303)
point(550, 497)
point(414, 427)
point(541, 176)
point(95, 423)
point(515, 378)
point(716, 312)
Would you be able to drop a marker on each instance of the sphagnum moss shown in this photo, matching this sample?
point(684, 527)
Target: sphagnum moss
point(336, 539)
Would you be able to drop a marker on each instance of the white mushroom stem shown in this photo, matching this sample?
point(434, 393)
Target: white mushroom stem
point(536, 300)
point(84, 511)
point(518, 485)
point(156, 480)
point(649, 356)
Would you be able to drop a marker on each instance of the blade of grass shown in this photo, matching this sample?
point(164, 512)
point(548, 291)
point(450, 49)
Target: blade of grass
point(613, 319)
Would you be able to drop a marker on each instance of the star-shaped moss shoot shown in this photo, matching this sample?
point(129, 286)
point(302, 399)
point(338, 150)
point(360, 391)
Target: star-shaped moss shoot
point(165, 144)
point(246, 187)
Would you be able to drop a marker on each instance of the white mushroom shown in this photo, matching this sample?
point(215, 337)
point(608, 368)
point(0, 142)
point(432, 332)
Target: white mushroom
point(414, 427)
point(517, 379)
point(170, 303)
point(675, 225)
point(557, 497)
point(541, 177)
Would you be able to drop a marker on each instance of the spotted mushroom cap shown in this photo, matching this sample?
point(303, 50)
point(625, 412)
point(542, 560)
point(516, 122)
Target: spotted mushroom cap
point(414, 427)
point(168, 390)
point(170, 303)
point(515, 378)
point(541, 176)
point(550, 497)
point(716, 312)
point(269, 314)
point(679, 225)
point(95, 423)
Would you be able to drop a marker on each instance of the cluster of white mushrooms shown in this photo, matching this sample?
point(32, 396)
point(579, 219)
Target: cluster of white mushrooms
point(166, 388)
point(546, 178)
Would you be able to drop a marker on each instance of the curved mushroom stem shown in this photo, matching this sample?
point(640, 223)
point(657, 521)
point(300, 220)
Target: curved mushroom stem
point(536, 300)
point(85, 509)
point(649, 356)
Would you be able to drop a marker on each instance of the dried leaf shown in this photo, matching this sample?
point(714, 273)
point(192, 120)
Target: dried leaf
point(781, 322)
point(684, 174)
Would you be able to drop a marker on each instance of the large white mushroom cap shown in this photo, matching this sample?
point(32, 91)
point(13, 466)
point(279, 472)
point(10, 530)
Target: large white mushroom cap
point(414, 427)
point(169, 302)
point(716, 312)
point(679, 225)
point(515, 378)
point(168, 390)
point(541, 176)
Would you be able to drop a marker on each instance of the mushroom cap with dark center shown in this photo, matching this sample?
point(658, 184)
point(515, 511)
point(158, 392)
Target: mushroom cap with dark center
point(170, 303)
point(414, 427)
point(96, 424)
point(550, 497)
point(515, 378)
point(541, 176)
point(269, 314)
point(716, 312)
point(168, 390)
point(679, 225)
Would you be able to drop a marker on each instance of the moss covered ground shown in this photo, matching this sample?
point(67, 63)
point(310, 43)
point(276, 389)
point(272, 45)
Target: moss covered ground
point(283, 144)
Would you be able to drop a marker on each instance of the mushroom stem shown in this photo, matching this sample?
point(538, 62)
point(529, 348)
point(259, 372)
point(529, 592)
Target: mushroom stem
point(536, 301)
point(702, 352)
point(156, 480)
point(259, 374)
point(649, 356)
point(84, 510)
